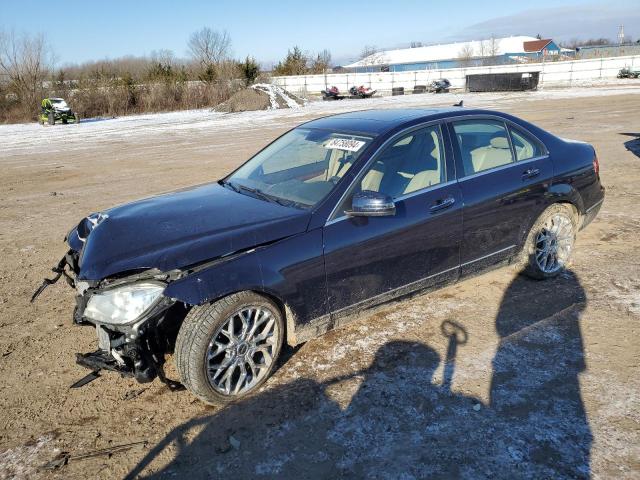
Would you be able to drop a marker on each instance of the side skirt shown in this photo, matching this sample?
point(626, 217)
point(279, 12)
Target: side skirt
point(347, 315)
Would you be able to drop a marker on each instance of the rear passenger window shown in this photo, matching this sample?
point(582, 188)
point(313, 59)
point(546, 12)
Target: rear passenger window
point(483, 144)
point(525, 146)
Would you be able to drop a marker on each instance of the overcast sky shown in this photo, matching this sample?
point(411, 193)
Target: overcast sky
point(82, 30)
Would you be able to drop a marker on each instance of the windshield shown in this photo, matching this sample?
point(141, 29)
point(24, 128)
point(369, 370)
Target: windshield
point(58, 102)
point(301, 167)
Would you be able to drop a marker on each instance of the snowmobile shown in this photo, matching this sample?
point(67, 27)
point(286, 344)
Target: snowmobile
point(56, 109)
point(361, 92)
point(332, 94)
point(628, 73)
point(440, 86)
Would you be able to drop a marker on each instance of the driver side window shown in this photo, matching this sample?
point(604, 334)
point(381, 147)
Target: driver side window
point(411, 163)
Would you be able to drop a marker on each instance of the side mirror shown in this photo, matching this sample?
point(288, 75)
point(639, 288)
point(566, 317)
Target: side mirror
point(371, 204)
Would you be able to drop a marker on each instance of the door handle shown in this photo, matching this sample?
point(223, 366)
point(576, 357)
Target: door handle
point(530, 173)
point(442, 204)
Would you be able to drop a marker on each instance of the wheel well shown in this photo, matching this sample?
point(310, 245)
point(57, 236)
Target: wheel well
point(287, 315)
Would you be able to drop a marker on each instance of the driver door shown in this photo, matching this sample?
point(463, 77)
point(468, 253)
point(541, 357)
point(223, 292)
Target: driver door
point(369, 260)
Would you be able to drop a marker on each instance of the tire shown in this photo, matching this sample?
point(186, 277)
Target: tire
point(76, 118)
point(196, 351)
point(51, 119)
point(539, 258)
point(64, 120)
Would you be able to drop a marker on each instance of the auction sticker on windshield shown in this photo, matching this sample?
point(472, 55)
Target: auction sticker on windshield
point(344, 144)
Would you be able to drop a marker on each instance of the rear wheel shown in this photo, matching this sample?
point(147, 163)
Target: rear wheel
point(76, 118)
point(51, 118)
point(549, 245)
point(227, 349)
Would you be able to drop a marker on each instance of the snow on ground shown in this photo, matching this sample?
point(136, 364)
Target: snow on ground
point(33, 138)
point(274, 91)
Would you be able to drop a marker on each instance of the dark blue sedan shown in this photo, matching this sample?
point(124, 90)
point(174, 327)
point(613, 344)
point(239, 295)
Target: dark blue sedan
point(335, 216)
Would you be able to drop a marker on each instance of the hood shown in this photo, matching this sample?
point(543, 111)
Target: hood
point(179, 229)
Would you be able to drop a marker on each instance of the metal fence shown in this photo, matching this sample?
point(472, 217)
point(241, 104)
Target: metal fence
point(565, 73)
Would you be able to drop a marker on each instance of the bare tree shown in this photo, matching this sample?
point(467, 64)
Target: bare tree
point(465, 55)
point(367, 51)
point(321, 62)
point(25, 62)
point(209, 47)
point(489, 49)
point(494, 47)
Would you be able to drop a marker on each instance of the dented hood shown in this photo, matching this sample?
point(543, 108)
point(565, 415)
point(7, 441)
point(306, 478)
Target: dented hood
point(179, 229)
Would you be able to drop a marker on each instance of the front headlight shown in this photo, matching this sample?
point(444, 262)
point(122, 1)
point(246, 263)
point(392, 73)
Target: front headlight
point(122, 305)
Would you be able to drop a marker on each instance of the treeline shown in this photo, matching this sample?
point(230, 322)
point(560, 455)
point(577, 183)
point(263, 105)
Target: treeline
point(159, 82)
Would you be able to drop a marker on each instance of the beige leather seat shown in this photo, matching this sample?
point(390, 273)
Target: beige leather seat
point(496, 154)
point(414, 170)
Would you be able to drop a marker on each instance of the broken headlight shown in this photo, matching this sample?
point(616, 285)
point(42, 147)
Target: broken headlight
point(123, 305)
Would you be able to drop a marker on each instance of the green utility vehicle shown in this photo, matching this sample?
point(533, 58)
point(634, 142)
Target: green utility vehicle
point(55, 110)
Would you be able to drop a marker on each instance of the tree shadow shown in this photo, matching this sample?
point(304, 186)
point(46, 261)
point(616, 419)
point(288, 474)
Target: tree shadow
point(633, 145)
point(392, 420)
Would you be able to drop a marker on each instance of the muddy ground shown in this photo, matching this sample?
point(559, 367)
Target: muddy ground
point(538, 379)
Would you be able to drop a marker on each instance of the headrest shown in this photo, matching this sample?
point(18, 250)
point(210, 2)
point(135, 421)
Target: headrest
point(500, 142)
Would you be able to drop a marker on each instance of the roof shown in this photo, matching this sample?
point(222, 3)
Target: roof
point(449, 51)
point(376, 122)
point(536, 45)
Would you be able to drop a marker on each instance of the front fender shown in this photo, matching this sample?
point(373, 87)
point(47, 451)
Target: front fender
point(290, 270)
point(223, 278)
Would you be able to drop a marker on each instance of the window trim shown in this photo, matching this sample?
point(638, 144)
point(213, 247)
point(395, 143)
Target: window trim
point(506, 129)
point(508, 123)
point(440, 123)
point(531, 138)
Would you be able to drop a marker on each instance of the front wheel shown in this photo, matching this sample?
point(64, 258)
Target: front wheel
point(227, 349)
point(549, 245)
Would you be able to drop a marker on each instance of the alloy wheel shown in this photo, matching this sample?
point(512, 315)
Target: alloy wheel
point(554, 243)
point(241, 351)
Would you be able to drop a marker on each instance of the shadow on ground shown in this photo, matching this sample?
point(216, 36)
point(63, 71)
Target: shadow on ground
point(400, 424)
point(633, 145)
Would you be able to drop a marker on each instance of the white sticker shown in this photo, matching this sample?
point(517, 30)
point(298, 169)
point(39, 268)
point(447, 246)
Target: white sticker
point(347, 144)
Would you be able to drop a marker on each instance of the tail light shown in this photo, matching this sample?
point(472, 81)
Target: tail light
point(596, 163)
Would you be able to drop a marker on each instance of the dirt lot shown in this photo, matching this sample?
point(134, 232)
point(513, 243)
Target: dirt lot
point(542, 379)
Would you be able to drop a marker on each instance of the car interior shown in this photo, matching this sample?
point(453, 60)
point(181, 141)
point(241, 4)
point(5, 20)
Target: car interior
point(411, 164)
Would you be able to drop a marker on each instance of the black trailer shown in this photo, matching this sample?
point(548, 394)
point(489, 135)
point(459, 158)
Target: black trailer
point(503, 82)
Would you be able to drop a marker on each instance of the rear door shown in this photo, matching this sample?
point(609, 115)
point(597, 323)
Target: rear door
point(503, 173)
point(371, 259)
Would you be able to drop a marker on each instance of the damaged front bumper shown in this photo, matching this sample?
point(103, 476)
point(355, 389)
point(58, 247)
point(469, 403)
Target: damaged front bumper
point(136, 349)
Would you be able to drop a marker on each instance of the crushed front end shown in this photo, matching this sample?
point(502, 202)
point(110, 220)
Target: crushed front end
point(135, 324)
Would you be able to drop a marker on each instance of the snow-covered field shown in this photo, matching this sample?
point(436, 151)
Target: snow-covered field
point(32, 138)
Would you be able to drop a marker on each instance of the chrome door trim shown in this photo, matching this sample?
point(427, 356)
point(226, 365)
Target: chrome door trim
point(502, 167)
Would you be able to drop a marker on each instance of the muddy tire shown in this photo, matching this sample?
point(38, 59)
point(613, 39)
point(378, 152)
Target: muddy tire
point(227, 349)
point(51, 119)
point(549, 245)
point(76, 118)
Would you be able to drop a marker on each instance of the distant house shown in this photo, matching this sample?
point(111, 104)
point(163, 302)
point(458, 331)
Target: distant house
point(541, 47)
point(459, 54)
